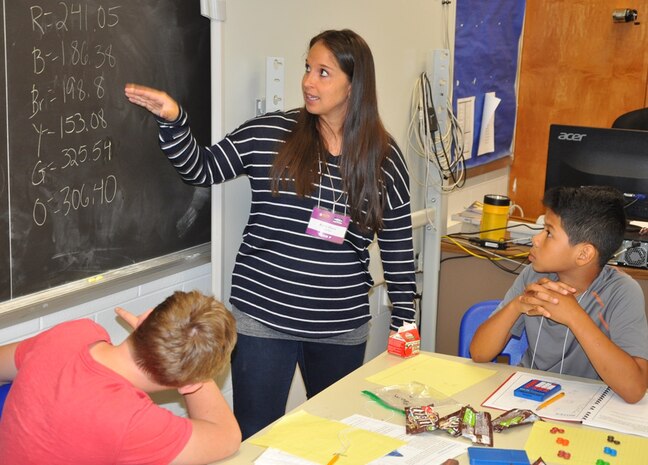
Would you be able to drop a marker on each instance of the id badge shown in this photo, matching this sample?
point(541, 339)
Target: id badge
point(328, 225)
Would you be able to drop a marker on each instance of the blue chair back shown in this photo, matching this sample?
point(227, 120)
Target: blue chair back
point(4, 390)
point(475, 316)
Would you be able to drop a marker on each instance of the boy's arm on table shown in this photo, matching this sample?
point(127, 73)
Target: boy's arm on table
point(625, 374)
point(215, 432)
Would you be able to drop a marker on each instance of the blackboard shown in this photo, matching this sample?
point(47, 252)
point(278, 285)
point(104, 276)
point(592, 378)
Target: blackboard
point(84, 187)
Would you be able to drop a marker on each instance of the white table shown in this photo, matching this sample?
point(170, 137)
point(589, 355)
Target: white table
point(344, 398)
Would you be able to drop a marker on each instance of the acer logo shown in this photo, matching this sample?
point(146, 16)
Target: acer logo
point(571, 136)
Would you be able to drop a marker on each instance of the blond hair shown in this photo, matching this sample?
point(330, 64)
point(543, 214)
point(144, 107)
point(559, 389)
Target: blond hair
point(188, 338)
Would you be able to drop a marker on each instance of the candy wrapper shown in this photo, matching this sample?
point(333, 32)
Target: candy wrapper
point(420, 419)
point(451, 423)
point(514, 417)
point(476, 426)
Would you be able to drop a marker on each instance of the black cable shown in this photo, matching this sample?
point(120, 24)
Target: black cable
point(455, 257)
point(428, 102)
point(449, 167)
point(452, 166)
point(494, 261)
point(461, 161)
point(513, 271)
point(472, 233)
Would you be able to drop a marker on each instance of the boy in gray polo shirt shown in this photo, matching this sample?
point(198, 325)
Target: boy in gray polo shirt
point(582, 316)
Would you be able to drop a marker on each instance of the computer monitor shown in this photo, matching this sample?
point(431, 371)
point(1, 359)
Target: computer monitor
point(585, 156)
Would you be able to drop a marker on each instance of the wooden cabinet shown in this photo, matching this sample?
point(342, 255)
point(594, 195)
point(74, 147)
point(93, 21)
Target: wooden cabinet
point(579, 68)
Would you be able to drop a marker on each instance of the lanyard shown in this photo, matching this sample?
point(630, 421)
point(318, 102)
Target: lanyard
point(319, 195)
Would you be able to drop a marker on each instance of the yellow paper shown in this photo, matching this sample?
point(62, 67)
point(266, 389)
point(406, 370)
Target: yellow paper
point(318, 439)
point(445, 376)
point(586, 445)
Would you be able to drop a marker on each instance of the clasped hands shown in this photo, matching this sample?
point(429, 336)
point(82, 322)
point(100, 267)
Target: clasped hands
point(551, 299)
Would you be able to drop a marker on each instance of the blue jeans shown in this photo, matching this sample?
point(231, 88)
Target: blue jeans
point(263, 369)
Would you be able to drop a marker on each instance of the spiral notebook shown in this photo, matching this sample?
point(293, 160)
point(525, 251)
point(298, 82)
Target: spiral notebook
point(593, 404)
point(609, 411)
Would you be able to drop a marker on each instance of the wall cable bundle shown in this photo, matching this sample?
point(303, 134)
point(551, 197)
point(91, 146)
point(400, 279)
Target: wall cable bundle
point(442, 148)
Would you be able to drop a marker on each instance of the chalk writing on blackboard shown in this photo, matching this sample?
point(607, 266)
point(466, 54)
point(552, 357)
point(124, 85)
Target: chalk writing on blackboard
point(87, 188)
point(68, 70)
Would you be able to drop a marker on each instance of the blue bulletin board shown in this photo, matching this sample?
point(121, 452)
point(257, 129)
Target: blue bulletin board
point(487, 37)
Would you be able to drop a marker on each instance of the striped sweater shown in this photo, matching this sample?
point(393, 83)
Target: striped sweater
point(284, 278)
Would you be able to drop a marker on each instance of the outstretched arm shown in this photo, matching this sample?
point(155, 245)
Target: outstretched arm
point(156, 101)
point(625, 374)
point(215, 432)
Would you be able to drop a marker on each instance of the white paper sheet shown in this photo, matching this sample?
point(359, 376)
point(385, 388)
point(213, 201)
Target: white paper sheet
point(466, 121)
point(431, 448)
point(487, 132)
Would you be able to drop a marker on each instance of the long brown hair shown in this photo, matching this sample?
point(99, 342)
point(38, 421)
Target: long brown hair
point(365, 142)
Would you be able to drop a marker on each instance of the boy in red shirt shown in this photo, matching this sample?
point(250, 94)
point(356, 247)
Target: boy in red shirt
point(77, 398)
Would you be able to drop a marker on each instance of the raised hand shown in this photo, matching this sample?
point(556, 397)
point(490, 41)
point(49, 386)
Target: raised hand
point(156, 101)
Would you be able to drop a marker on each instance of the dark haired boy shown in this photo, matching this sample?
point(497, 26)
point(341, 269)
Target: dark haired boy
point(582, 316)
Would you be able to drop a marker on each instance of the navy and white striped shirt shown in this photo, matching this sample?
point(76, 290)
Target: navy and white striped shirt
point(286, 279)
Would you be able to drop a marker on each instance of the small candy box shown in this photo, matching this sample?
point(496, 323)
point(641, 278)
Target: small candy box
point(406, 342)
point(537, 389)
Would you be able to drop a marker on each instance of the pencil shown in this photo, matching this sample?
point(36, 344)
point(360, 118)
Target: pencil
point(334, 459)
point(558, 396)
